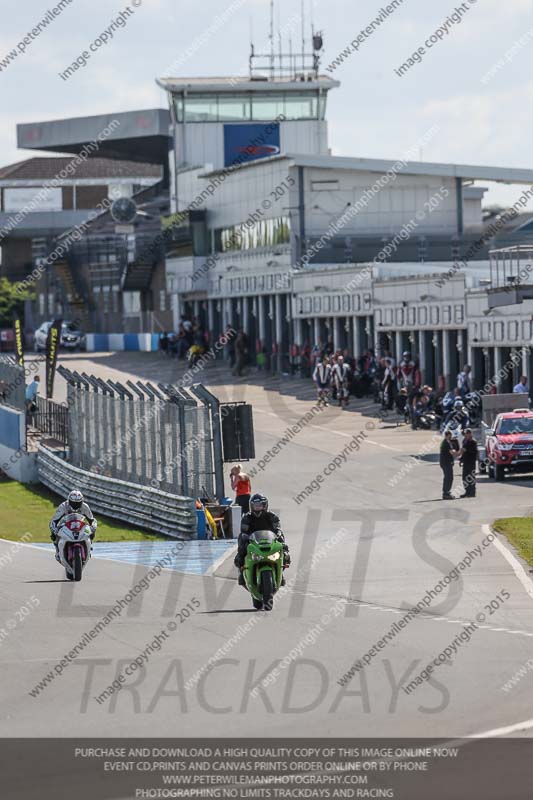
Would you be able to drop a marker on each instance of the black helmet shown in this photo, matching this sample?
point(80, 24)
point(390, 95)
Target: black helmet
point(258, 504)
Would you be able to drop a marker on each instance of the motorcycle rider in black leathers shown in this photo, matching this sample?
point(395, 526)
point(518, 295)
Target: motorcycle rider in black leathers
point(259, 518)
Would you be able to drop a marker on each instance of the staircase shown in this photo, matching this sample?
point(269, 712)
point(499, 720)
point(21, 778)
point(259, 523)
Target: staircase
point(137, 275)
point(77, 305)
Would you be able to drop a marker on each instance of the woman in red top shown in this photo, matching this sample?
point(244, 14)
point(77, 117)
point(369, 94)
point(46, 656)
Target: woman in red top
point(240, 483)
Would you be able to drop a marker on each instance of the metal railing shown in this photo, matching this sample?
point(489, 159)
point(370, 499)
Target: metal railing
point(51, 419)
point(511, 266)
point(142, 507)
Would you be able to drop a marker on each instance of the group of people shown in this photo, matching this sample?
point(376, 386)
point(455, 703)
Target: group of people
point(467, 455)
point(190, 334)
point(332, 374)
point(390, 383)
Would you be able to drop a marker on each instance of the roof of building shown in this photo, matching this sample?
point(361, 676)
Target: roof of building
point(464, 171)
point(47, 168)
point(141, 135)
point(230, 84)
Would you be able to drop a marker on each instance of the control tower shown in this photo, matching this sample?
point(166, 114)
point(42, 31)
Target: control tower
point(279, 108)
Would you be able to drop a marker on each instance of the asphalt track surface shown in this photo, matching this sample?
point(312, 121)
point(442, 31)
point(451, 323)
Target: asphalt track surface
point(345, 591)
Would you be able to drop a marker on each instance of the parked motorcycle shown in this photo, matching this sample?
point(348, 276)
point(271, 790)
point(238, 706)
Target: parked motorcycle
point(263, 568)
point(428, 420)
point(74, 545)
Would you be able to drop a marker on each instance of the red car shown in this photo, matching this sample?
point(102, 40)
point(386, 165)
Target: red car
point(509, 444)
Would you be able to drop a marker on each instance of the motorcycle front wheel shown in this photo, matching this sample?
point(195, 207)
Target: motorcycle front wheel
point(77, 564)
point(267, 590)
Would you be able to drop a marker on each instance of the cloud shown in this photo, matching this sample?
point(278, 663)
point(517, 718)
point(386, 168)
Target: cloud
point(373, 113)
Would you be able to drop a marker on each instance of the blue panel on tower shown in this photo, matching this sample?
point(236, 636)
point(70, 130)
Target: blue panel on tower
point(244, 143)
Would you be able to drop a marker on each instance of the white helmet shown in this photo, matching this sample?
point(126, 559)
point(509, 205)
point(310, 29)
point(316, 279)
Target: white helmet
point(458, 404)
point(75, 500)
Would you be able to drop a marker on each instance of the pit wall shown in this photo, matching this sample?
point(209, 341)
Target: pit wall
point(112, 342)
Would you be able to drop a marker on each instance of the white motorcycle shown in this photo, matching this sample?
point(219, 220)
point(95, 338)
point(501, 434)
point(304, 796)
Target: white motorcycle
point(74, 545)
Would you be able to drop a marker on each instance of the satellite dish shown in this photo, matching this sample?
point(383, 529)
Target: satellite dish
point(124, 210)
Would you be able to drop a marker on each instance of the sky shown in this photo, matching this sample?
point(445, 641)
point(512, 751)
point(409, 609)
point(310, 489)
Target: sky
point(475, 82)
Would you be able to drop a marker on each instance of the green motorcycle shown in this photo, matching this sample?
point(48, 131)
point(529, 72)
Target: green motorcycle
point(263, 568)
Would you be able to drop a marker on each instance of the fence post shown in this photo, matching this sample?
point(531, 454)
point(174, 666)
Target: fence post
point(213, 404)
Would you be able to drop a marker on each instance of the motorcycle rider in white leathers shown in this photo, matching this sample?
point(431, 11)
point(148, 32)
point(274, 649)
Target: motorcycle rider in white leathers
point(74, 504)
point(340, 373)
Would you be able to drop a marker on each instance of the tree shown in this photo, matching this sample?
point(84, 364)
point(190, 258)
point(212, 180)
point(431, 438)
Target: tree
point(12, 301)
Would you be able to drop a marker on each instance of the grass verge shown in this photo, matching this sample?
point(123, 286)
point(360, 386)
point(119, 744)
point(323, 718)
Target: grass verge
point(29, 509)
point(519, 531)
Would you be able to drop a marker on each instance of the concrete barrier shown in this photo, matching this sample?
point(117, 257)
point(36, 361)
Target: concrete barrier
point(112, 342)
point(15, 461)
point(138, 505)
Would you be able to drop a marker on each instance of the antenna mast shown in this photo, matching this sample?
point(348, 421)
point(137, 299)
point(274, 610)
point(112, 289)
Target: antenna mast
point(303, 33)
point(293, 65)
point(272, 39)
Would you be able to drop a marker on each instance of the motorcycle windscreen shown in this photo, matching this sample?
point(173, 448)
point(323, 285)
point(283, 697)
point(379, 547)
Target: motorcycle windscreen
point(263, 537)
point(73, 518)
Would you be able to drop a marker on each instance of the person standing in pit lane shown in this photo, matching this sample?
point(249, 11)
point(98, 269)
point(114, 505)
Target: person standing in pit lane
point(241, 485)
point(322, 378)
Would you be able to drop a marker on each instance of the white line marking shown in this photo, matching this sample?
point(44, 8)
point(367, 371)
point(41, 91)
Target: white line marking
point(135, 564)
point(386, 446)
point(26, 544)
point(519, 726)
point(220, 560)
point(517, 567)
point(399, 612)
point(325, 429)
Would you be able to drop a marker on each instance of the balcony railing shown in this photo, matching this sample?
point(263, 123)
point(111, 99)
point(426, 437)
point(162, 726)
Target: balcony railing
point(511, 266)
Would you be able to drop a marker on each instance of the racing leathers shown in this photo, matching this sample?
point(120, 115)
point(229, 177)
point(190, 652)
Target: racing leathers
point(458, 416)
point(251, 523)
point(322, 375)
point(63, 510)
point(341, 375)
